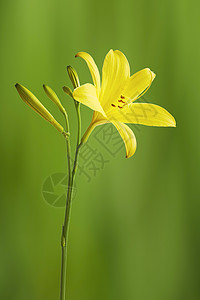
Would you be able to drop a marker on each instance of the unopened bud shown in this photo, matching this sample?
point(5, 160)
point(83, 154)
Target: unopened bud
point(68, 91)
point(73, 76)
point(37, 106)
point(52, 96)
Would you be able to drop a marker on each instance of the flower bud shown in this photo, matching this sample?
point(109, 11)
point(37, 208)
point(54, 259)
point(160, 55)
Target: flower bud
point(36, 105)
point(73, 76)
point(52, 96)
point(68, 91)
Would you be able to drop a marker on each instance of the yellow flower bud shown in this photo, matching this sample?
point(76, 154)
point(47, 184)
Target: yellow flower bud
point(73, 76)
point(52, 96)
point(36, 105)
point(68, 91)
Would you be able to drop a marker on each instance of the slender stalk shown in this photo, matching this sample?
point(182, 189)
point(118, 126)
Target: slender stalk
point(64, 239)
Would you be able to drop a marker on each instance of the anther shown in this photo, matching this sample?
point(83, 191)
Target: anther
point(121, 101)
point(122, 97)
point(119, 106)
point(113, 105)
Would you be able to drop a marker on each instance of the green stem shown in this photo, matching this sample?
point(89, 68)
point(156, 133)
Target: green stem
point(64, 239)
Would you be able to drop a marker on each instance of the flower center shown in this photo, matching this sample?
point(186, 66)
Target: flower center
point(120, 103)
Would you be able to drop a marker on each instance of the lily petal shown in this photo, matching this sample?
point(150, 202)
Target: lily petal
point(98, 117)
point(138, 84)
point(143, 113)
point(115, 73)
point(92, 67)
point(97, 120)
point(87, 95)
point(128, 137)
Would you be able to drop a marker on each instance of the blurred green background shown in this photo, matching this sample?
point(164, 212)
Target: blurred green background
point(134, 230)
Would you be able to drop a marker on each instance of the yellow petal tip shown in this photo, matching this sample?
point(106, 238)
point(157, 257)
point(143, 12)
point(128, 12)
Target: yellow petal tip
point(153, 75)
point(173, 122)
point(78, 54)
point(130, 154)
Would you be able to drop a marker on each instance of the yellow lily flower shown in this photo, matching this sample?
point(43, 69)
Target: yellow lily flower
point(112, 100)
